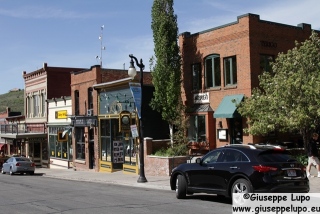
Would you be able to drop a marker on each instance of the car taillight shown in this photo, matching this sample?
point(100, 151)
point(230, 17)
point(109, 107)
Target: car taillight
point(264, 168)
point(17, 164)
point(32, 164)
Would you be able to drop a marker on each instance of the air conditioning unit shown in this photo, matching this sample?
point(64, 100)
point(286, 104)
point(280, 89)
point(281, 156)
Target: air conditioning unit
point(90, 112)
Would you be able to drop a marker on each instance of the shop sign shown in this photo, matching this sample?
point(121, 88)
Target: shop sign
point(84, 122)
point(61, 114)
point(201, 98)
point(134, 131)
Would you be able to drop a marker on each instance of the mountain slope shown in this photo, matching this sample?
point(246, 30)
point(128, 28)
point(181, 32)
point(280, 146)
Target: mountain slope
point(13, 100)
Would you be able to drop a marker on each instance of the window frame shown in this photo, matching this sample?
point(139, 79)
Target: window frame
point(213, 77)
point(196, 76)
point(230, 70)
point(265, 63)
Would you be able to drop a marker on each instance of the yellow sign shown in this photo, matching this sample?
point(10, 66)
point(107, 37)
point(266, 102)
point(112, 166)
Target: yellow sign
point(61, 114)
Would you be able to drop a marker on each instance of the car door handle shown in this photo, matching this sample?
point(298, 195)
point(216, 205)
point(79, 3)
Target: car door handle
point(211, 167)
point(233, 167)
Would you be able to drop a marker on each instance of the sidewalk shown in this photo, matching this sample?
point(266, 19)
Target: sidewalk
point(120, 178)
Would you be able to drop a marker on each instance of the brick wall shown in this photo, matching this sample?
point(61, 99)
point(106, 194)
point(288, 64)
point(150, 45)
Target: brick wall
point(246, 39)
point(156, 165)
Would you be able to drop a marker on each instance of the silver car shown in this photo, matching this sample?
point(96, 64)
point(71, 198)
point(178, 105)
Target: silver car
point(18, 165)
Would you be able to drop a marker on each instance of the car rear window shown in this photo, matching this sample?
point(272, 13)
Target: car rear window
point(276, 156)
point(22, 159)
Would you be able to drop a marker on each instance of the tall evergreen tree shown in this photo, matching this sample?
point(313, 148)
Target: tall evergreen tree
point(288, 99)
point(166, 66)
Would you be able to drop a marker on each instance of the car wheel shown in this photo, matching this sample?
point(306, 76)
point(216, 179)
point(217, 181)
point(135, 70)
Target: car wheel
point(31, 173)
point(181, 187)
point(2, 171)
point(10, 172)
point(241, 186)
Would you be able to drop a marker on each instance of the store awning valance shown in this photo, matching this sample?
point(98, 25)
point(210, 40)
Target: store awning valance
point(200, 108)
point(228, 107)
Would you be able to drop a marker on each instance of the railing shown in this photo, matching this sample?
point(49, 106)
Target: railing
point(20, 128)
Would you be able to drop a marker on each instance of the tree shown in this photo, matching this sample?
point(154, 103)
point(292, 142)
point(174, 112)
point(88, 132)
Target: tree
point(166, 66)
point(288, 98)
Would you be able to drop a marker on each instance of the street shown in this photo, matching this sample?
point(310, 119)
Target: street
point(38, 194)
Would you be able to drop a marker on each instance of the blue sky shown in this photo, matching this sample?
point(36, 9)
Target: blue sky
point(65, 33)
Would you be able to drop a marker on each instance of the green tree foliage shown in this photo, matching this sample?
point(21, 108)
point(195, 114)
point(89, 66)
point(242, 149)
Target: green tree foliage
point(288, 99)
point(14, 100)
point(166, 66)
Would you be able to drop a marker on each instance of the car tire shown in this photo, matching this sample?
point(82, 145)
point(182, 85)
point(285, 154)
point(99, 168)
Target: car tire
point(2, 171)
point(10, 172)
point(31, 173)
point(181, 187)
point(241, 186)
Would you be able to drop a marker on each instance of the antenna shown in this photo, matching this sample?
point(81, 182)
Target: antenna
point(102, 48)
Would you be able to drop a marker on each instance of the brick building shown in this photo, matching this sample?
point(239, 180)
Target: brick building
point(42, 84)
point(100, 97)
point(85, 110)
point(224, 63)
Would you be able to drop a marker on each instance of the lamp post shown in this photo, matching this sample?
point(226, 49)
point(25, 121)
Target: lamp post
point(132, 72)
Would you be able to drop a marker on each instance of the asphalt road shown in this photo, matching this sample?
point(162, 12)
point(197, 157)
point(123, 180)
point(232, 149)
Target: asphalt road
point(37, 194)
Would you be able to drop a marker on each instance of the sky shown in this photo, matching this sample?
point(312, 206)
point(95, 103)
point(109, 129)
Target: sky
point(65, 33)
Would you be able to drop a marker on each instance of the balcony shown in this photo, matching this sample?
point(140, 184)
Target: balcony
point(21, 130)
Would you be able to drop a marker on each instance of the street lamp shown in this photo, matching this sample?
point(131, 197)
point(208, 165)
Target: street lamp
point(132, 72)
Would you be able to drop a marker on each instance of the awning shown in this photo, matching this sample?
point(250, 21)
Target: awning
point(2, 145)
point(200, 108)
point(228, 107)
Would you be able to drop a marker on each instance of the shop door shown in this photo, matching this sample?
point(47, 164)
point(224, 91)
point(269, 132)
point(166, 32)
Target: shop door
point(91, 155)
point(236, 133)
point(35, 152)
point(91, 149)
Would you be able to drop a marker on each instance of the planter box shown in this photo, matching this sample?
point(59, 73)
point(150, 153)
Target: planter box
point(162, 166)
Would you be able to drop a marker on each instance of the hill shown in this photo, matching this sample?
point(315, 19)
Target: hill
point(14, 100)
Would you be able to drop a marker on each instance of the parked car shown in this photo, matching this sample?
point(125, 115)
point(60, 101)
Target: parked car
point(241, 169)
point(18, 165)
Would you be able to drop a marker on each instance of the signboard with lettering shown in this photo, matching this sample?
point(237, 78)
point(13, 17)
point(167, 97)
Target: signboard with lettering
point(63, 114)
point(84, 121)
point(201, 98)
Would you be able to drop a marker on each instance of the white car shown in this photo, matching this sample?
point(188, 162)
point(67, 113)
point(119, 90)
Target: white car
point(18, 165)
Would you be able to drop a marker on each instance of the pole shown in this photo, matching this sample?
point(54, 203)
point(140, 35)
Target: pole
point(142, 177)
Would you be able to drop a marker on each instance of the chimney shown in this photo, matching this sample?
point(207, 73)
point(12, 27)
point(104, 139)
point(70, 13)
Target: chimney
point(45, 66)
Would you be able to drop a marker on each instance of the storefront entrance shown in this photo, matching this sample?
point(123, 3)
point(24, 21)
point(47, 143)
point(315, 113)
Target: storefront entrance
point(236, 133)
point(117, 147)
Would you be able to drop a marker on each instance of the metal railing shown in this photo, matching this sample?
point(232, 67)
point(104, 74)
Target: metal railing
point(19, 128)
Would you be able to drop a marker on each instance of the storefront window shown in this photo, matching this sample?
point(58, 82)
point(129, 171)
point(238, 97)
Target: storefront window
point(52, 145)
point(105, 140)
point(59, 149)
point(197, 128)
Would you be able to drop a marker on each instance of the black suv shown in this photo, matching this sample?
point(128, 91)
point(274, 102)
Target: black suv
point(241, 168)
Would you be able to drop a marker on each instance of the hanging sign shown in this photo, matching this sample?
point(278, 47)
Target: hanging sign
point(134, 131)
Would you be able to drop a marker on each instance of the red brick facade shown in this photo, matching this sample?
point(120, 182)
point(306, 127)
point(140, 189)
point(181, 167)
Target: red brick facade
point(246, 39)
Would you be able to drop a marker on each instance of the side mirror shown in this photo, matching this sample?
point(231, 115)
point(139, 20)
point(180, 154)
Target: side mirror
point(198, 160)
